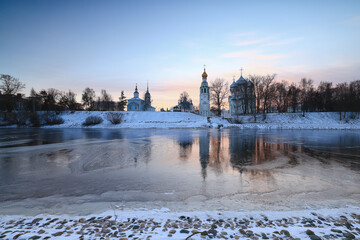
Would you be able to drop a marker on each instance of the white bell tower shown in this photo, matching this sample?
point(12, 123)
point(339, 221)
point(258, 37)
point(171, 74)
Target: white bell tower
point(204, 106)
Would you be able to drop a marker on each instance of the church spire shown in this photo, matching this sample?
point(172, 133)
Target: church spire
point(147, 86)
point(204, 75)
point(136, 93)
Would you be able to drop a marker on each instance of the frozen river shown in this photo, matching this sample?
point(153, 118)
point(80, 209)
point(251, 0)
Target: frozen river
point(84, 171)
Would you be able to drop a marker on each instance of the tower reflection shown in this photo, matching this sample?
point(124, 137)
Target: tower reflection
point(204, 152)
point(222, 151)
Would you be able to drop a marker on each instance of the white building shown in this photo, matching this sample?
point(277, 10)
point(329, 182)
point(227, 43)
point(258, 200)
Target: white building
point(204, 106)
point(242, 98)
point(138, 104)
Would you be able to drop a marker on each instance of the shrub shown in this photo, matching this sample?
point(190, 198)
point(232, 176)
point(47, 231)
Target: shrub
point(238, 120)
point(52, 119)
point(35, 120)
point(114, 118)
point(92, 120)
point(18, 118)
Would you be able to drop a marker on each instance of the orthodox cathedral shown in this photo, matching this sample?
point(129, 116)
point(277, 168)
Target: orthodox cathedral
point(204, 106)
point(138, 104)
point(242, 98)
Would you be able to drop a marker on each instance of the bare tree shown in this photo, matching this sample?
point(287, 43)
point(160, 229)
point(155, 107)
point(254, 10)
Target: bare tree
point(35, 100)
point(49, 98)
point(185, 102)
point(293, 94)
point(184, 97)
point(88, 98)
point(106, 101)
point(256, 81)
point(306, 86)
point(281, 96)
point(219, 91)
point(10, 85)
point(67, 100)
point(267, 91)
point(341, 98)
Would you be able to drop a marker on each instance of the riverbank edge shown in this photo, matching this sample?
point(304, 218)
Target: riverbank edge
point(164, 224)
point(182, 120)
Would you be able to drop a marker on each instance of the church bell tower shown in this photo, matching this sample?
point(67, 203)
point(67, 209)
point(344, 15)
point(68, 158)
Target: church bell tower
point(204, 106)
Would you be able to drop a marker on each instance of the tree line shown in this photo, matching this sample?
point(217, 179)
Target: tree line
point(55, 100)
point(272, 96)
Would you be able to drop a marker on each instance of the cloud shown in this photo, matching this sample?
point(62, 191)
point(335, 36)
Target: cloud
point(284, 41)
point(245, 34)
point(252, 55)
point(252, 42)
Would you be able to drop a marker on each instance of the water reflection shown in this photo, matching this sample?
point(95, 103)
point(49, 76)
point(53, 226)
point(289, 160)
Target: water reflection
point(220, 150)
point(204, 152)
point(185, 141)
point(187, 162)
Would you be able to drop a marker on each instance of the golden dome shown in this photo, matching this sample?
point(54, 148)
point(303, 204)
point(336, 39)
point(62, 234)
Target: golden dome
point(204, 75)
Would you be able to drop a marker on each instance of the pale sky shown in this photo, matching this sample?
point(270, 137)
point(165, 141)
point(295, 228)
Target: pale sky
point(114, 44)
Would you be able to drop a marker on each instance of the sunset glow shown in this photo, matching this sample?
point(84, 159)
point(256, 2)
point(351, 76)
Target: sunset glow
point(113, 45)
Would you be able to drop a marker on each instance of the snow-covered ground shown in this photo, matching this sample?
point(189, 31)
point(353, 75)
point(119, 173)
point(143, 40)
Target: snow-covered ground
point(163, 224)
point(325, 120)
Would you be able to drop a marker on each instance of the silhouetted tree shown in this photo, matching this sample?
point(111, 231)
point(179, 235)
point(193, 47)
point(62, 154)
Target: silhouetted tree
point(219, 91)
point(88, 98)
point(267, 91)
point(10, 85)
point(293, 95)
point(35, 100)
point(122, 102)
point(280, 96)
point(185, 102)
point(9, 91)
point(49, 99)
point(325, 96)
point(256, 81)
point(67, 100)
point(306, 86)
point(107, 103)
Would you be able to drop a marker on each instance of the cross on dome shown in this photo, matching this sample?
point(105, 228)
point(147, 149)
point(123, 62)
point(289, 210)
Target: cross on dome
point(241, 69)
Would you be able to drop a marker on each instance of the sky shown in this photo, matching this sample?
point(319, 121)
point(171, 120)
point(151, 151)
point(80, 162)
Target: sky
point(113, 45)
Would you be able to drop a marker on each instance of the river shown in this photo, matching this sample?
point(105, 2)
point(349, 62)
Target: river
point(84, 171)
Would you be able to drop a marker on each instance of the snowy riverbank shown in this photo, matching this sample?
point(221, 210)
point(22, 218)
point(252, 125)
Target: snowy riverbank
point(163, 224)
point(326, 120)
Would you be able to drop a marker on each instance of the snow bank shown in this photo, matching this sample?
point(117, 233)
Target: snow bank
point(164, 224)
point(137, 120)
point(325, 120)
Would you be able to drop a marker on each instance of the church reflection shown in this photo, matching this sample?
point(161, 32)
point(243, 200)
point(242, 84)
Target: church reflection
point(250, 150)
point(185, 141)
point(222, 152)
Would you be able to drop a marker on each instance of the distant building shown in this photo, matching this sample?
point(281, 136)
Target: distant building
point(242, 98)
point(138, 104)
point(184, 106)
point(204, 106)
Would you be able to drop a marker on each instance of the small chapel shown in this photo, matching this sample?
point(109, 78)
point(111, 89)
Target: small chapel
point(138, 104)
